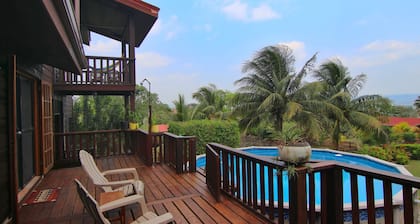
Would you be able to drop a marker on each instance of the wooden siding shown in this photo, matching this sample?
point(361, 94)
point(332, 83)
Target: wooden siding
point(184, 195)
point(5, 194)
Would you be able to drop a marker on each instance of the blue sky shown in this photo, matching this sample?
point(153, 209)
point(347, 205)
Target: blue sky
point(195, 43)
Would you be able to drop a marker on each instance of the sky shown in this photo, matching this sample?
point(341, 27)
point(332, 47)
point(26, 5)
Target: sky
point(201, 42)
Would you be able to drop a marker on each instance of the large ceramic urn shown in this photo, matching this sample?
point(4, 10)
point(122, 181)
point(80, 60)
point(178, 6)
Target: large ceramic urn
point(296, 152)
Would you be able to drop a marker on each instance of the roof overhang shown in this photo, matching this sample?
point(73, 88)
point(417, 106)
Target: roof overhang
point(42, 31)
point(111, 18)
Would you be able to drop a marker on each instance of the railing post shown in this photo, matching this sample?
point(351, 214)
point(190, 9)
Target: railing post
point(297, 196)
point(213, 172)
point(149, 156)
point(192, 148)
point(179, 155)
point(332, 196)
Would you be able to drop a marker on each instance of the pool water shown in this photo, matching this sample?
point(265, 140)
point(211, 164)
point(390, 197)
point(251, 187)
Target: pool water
point(318, 154)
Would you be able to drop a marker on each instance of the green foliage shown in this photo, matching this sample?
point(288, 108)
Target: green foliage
point(97, 113)
point(403, 133)
point(391, 153)
point(206, 131)
point(412, 149)
point(212, 104)
point(377, 152)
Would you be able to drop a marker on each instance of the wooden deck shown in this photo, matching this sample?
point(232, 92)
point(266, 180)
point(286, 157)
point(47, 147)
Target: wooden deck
point(184, 195)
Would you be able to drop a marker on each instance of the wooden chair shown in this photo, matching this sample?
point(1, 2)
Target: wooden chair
point(96, 211)
point(128, 187)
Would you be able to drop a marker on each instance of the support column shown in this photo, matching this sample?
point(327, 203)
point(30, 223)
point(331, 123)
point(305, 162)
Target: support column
point(297, 196)
point(132, 55)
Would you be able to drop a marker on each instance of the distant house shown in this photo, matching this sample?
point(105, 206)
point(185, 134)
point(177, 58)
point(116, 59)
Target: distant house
point(412, 121)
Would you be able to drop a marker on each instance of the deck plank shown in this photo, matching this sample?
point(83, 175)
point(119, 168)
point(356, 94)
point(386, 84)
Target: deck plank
point(184, 195)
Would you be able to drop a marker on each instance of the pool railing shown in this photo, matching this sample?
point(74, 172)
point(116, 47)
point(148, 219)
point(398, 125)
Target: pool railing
point(237, 174)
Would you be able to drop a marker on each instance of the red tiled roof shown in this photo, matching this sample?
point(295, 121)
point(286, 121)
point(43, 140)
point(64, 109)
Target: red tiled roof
point(412, 121)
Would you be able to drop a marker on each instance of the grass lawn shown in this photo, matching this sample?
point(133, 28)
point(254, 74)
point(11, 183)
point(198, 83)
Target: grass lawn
point(414, 167)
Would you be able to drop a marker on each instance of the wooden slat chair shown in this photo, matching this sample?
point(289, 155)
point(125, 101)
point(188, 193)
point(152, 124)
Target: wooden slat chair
point(96, 211)
point(128, 187)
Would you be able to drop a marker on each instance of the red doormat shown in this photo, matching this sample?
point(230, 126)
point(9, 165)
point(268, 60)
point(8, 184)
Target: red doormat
point(40, 196)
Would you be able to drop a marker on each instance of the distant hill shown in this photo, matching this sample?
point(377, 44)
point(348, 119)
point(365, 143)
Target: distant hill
point(403, 99)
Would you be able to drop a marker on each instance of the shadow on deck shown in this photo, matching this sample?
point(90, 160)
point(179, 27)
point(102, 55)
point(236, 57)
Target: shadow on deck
point(184, 195)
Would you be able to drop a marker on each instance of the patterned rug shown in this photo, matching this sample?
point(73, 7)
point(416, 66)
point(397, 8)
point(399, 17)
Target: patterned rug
point(40, 196)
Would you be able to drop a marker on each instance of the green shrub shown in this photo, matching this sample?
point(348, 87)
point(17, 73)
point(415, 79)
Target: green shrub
point(206, 131)
point(412, 149)
point(401, 157)
point(377, 152)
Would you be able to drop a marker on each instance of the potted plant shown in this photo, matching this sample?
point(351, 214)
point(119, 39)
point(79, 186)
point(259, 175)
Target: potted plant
point(293, 150)
point(133, 120)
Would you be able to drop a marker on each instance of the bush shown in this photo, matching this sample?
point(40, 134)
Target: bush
point(392, 153)
point(206, 131)
point(377, 152)
point(412, 149)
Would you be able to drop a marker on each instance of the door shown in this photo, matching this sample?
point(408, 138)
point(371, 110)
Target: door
point(47, 127)
point(25, 130)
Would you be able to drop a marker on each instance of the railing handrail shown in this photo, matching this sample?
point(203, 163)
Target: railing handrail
point(106, 57)
point(242, 173)
point(86, 132)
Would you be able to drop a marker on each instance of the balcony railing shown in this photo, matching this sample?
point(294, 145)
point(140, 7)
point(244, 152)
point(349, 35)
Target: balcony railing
point(98, 143)
point(176, 151)
point(242, 177)
point(101, 71)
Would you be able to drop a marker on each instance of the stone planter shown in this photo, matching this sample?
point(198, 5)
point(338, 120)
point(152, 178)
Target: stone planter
point(295, 153)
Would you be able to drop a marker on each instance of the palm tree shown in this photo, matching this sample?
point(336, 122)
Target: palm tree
point(341, 90)
point(272, 91)
point(181, 109)
point(211, 103)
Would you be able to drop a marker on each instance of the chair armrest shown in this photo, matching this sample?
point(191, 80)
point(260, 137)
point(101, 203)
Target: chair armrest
point(122, 171)
point(161, 219)
point(120, 202)
point(116, 183)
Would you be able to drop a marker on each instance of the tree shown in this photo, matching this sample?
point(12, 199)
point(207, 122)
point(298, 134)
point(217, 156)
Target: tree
point(272, 91)
point(182, 110)
point(211, 103)
point(341, 90)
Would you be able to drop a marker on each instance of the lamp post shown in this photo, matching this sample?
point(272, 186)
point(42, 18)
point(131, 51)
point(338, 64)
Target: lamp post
point(150, 105)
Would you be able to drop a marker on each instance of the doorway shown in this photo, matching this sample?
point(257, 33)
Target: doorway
point(25, 133)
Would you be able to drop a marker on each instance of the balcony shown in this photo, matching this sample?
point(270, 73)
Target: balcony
point(184, 195)
point(166, 163)
point(104, 76)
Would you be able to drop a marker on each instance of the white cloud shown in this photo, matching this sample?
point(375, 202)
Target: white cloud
point(263, 12)
point(169, 28)
point(152, 60)
point(242, 11)
point(382, 52)
point(298, 49)
point(168, 86)
point(236, 10)
point(102, 46)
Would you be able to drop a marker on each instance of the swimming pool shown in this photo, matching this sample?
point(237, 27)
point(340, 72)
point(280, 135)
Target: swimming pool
point(324, 154)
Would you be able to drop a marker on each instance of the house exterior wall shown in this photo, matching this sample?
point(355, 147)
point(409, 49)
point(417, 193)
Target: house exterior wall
point(5, 179)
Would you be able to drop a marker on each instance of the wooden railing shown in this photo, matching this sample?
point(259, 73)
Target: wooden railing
point(98, 143)
point(101, 71)
point(180, 152)
point(253, 181)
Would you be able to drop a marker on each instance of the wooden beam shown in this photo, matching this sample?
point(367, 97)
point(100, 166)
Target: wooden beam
point(12, 73)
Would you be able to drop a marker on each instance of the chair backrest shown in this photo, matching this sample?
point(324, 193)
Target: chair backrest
point(90, 204)
point(89, 165)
